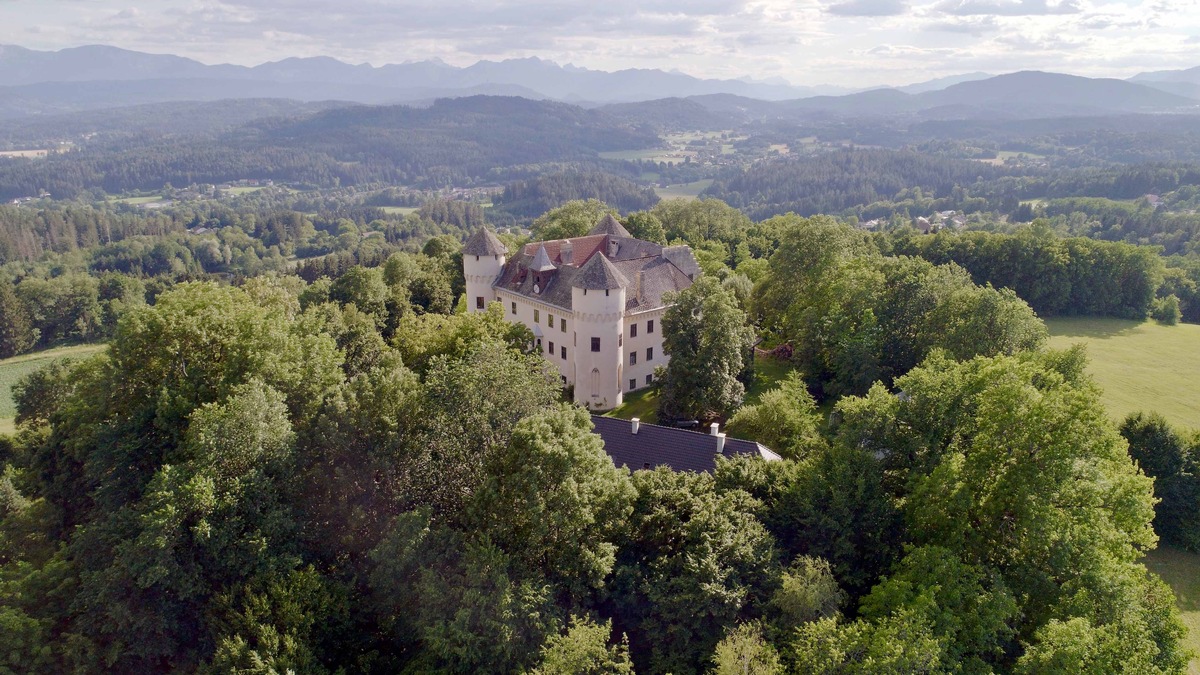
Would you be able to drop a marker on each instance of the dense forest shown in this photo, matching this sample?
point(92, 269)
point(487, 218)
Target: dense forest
point(346, 475)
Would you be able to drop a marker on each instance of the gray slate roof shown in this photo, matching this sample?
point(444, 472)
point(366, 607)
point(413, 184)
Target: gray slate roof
point(611, 226)
point(484, 242)
point(541, 261)
point(679, 449)
point(598, 274)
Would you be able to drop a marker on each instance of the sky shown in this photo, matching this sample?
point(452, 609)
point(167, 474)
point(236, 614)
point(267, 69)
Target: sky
point(851, 43)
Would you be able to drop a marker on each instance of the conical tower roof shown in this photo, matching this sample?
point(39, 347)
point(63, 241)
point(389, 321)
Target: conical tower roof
point(599, 274)
point(541, 261)
point(610, 226)
point(484, 242)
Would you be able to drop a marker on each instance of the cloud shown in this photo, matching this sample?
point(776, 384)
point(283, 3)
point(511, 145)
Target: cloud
point(868, 8)
point(970, 26)
point(1008, 7)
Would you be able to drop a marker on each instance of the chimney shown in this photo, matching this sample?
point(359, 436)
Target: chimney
point(720, 444)
point(612, 247)
point(635, 423)
point(713, 429)
point(566, 253)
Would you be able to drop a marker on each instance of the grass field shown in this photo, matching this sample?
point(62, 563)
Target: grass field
point(1140, 365)
point(684, 191)
point(399, 210)
point(1182, 571)
point(651, 154)
point(17, 367)
point(138, 201)
point(28, 154)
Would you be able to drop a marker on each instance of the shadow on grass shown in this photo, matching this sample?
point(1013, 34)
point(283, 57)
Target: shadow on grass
point(1094, 328)
point(1181, 570)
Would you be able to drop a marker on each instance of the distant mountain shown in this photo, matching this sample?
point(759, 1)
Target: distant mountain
point(942, 82)
point(1040, 94)
point(1024, 95)
point(1190, 75)
point(164, 78)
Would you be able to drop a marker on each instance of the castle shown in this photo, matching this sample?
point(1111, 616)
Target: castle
point(594, 303)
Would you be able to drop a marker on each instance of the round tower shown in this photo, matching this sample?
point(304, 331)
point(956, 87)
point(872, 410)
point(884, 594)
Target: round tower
point(598, 309)
point(484, 256)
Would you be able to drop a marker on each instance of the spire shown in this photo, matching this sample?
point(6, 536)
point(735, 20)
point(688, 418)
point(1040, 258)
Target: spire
point(610, 226)
point(599, 274)
point(541, 261)
point(484, 243)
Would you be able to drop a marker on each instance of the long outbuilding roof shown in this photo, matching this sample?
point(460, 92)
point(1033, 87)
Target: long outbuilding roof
point(652, 446)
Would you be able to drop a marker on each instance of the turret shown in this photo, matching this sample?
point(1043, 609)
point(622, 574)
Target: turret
point(483, 260)
point(598, 308)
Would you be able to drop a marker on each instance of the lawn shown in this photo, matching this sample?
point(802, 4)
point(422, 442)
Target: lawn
point(1182, 571)
point(399, 210)
point(684, 191)
point(1140, 365)
point(17, 367)
point(138, 201)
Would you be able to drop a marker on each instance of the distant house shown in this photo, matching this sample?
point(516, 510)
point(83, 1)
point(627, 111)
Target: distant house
point(645, 446)
point(1154, 200)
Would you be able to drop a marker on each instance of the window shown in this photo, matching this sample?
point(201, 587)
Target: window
point(536, 316)
point(563, 324)
point(633, 358)
point(550, 320)
point(650, 326)
point(649, 379)
point(479, 302)
point(632, 385)
point(514, 308)
point(649, 353)
point(595, 344)
point(563, 351)
point(550, 351)
point(633, 330)
point(620, 339)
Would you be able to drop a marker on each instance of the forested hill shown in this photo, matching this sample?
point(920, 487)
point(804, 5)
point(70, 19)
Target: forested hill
point(834, 182)
point(452, 141)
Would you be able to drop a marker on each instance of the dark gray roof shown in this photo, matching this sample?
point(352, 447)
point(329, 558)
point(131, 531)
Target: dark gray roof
point(484, 242)
point(598, 274)
point(679, 449)
point(610, 225)
point(541, 261)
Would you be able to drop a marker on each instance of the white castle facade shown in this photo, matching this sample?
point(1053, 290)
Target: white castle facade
point(594, 303)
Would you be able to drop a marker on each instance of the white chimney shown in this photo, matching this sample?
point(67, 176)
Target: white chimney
point(635, 423)
point(720, 443)
point(613, 246)
point(566, 253)
point(713, 429)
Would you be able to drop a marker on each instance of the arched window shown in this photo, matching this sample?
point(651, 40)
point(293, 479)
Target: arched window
point(595, 383)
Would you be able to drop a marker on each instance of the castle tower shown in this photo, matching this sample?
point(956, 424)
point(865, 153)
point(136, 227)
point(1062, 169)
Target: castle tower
point(598, 308)
point(483, 259)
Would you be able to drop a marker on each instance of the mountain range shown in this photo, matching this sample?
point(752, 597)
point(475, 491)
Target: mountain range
point(97, 77)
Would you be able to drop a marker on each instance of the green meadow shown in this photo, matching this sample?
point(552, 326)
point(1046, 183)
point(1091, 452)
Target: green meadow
point(1141, 366)
point(17, 367)
point(1181, 570)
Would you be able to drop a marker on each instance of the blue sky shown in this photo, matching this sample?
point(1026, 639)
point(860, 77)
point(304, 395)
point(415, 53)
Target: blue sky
point(842, 42)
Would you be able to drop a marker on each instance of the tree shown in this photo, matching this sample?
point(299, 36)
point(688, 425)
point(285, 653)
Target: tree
point(17, 334)
point(705, 334)
point(691, 564)
point(785, 419)
point(1173, 461)
point(584, 650)
point(573, 219)
point(646, 226)
point(807, 592)
point(744, 652)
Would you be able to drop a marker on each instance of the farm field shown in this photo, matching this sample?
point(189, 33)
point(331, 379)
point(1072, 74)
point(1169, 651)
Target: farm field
point(24, 153)
point(17, 367)
point(399, 210)
point(683, 191)
point(1141, 366)
point(138, 201)
point(1181, 570)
